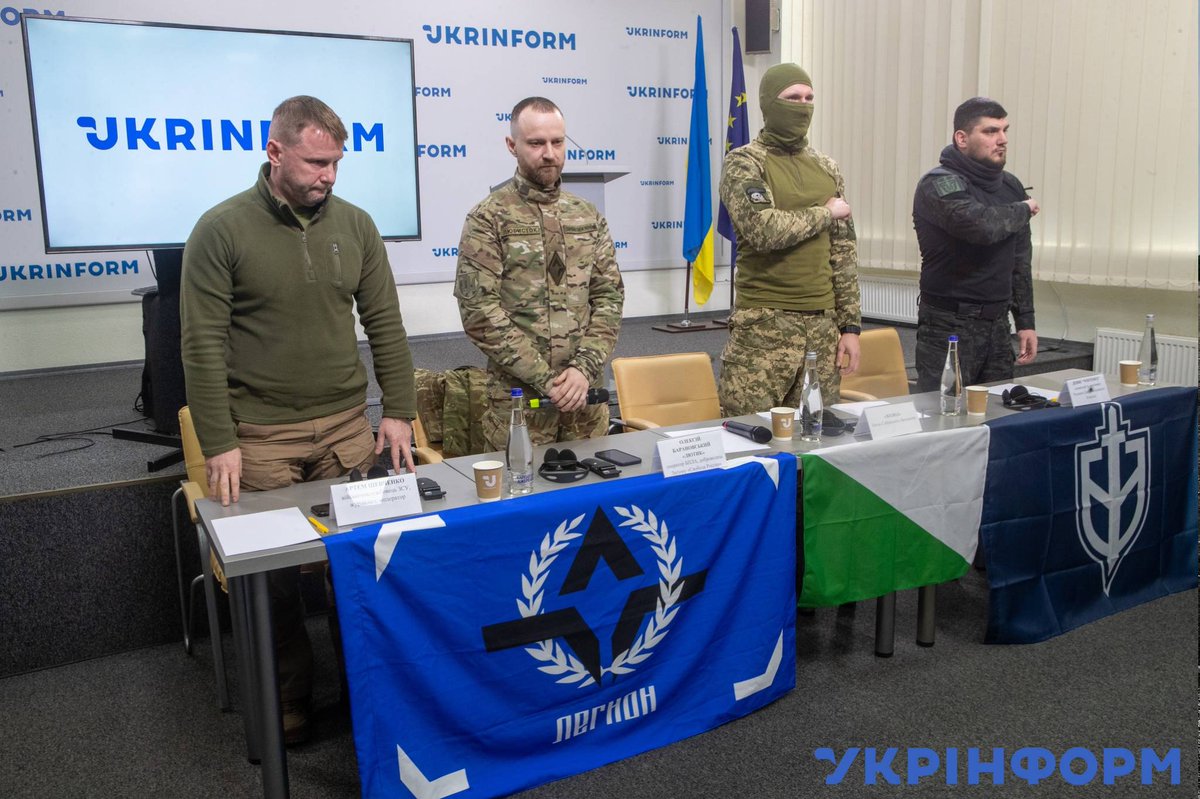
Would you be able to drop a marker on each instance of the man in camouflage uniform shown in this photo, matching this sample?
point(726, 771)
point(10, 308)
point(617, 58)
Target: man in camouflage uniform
point(538, 287)
point(972, 223)
point(797, 269)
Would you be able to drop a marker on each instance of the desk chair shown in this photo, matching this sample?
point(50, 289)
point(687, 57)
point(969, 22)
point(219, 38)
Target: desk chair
point(424, 450)
point(193, 488)
point(661, 390)
point(881, 371)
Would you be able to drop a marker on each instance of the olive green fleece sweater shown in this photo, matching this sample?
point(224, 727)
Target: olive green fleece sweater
point(267, 312)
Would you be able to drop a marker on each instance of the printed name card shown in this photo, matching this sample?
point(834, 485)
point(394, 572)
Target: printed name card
point(692, 453)
point(885, 421)
point(371, 500)
point(1084, 391)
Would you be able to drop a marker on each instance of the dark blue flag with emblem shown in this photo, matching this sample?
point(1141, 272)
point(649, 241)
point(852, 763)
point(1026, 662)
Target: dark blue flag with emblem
point(737, 133)
point(1088, 511)
point(494, 647)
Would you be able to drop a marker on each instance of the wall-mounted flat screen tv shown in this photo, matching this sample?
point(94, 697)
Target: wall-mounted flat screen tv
point(140, 127)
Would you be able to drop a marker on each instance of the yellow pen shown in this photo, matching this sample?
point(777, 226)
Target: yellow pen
point(322, 529)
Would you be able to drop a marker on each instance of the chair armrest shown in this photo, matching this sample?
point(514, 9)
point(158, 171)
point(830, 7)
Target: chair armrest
point(427, 455)
point(850, 395)
point(192, 492)
point(633, 423)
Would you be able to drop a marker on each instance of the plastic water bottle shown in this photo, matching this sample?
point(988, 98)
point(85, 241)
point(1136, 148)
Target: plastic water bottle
point(519, 453)
point(952, 387)
point(810, 401)
point(1148, 355)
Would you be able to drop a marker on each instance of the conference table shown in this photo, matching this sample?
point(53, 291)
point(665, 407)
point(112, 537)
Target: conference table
point(251, 614)
point(247, 572)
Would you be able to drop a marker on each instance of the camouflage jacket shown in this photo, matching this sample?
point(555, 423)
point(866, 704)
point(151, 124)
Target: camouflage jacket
point(538, 286)
point(762, 228)
point(976, 242)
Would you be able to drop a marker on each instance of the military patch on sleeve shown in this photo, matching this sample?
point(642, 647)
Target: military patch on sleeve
point(467, 286)
point(757, 194)
point(948, 184)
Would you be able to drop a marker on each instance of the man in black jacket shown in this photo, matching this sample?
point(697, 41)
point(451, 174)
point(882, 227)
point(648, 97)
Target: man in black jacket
point(972, 223)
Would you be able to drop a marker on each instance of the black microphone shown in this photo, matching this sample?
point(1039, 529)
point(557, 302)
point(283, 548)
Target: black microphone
point(756, 433)
point(595, 396)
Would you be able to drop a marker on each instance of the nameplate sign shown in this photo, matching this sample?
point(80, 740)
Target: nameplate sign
point(372, 500)
point(695, 452)
point(885, 421)
point(1084, 391)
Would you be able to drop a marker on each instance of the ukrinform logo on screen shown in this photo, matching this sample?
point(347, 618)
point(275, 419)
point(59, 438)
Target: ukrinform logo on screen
point(175, 133)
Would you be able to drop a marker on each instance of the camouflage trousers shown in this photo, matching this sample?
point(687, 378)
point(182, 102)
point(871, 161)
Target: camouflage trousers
point(985, 350)
point(762, 365)
point(547, 424)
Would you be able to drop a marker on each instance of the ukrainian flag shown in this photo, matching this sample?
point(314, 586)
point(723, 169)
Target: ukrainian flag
point(698, 216)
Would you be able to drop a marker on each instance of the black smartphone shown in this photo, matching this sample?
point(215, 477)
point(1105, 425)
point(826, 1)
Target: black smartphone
point(428, 489)
point(321, 510)
point(619, 457)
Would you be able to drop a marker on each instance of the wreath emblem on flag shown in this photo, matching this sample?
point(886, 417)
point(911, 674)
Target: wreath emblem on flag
point(559, 662)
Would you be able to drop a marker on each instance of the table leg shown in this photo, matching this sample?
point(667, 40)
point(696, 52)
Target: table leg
point(239, 613)
point(926, 614)
point(885, 625)
point(274, 757)
point(214, 628)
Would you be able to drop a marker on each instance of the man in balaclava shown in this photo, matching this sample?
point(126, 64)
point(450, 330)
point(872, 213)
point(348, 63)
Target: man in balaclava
point(797, 267)
point(972, 223)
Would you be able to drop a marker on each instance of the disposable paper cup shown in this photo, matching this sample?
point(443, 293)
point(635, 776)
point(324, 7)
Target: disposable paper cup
point(782, 422)
point(489, 480)
point(1129, 372)
point(977, 397)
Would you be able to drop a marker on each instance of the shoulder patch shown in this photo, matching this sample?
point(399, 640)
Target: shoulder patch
point(948, 184)
point(757, 194)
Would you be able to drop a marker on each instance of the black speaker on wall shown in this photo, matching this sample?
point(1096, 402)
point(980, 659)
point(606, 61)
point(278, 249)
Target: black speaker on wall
point(758, 26)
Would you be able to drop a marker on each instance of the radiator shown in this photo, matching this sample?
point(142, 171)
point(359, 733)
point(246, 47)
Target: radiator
point(889, 299)
point(1176, 354)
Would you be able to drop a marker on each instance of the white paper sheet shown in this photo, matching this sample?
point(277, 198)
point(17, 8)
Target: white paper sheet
point(733, 442)
point(856, 408)
point(266, 530)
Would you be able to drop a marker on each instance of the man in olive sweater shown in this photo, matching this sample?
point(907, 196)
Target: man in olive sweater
point(271, 278)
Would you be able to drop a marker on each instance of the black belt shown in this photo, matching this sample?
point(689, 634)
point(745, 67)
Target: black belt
point(989, 311)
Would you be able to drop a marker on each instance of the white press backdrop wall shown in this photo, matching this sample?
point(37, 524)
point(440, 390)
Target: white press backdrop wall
point(623, 81)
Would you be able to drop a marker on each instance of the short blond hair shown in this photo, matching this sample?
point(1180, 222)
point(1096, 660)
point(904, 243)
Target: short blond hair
point(295, 114)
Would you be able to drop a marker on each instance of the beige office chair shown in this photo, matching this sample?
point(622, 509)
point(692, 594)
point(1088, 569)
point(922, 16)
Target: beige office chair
point(662, 390)
point(881, 371)
point(191, 489)
point(424, 450)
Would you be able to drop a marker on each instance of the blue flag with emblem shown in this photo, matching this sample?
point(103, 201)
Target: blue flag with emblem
point(737, 133)
point(697, 215)
point(1088, 511)
point(498, 646)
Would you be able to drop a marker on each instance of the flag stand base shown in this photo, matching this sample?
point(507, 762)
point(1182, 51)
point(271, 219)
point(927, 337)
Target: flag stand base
point(688, 326)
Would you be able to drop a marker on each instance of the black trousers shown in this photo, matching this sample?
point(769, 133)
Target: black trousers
point(985, 349)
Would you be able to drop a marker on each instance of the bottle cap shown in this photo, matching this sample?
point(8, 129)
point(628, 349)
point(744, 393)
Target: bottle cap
point(952, 338)
point(516, 392)
point(810, 354)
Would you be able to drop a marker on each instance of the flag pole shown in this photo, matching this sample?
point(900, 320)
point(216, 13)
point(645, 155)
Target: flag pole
point(697, 219)
point(687, 295)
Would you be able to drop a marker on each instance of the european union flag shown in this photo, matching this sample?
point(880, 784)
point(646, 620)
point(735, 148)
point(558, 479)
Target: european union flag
point(697, 216)
point(737, 133)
